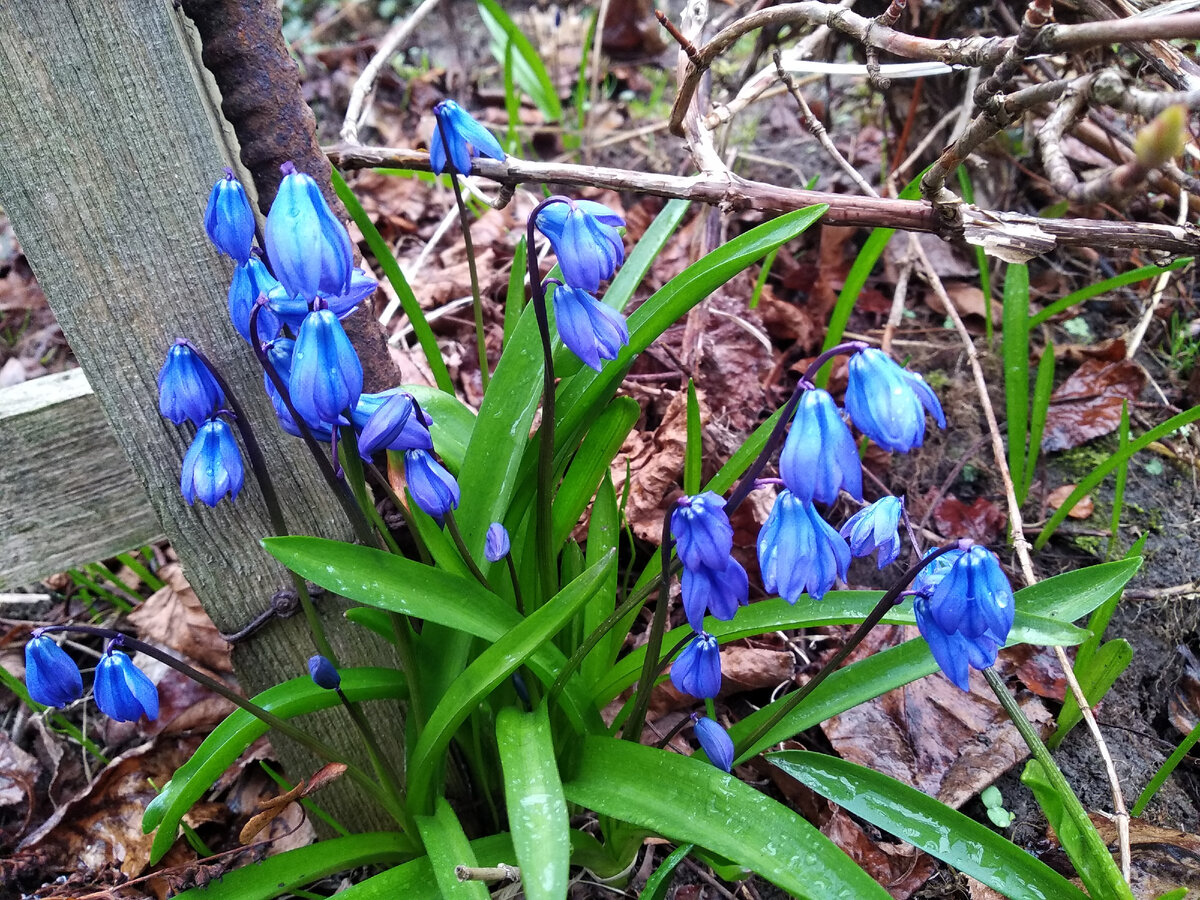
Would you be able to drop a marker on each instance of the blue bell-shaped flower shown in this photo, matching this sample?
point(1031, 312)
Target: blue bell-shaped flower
point(212, 466)
point(497, 545)
point(590, 330)
point(323, 673)
point(187, 390)
point(326, 379)
point(716, 743)
point(799, 551)
point(414, 435)
point(967, 614)
point(51, 675)
point(717, 591)
point(433, 488)
point(585, 240)
point(229, 220)
point(123, 691)
point(308, 247)
point(819, 457)
point(697, 670)
point(703, 535)
point(887, 403)
point(466, 137)
point(251, 280)
point(876, 527)
point(387, 428)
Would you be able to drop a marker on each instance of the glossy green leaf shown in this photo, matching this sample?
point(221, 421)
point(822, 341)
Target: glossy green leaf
point(284, 872)
point(514, 303)
point(1074, 594)
point(925, 823)
point(1090, 483)
point(491, 667)
point(448, 848)
point(581, 397)
point(1102, 287)
point(1102, 670)
point(537, 809)
point(649, 246)
point(694, 451)
point(391, 268)
point(415, 880)
point(1014, 348)
point(604, 532)
point(690, 801)
point(240, 729)
point(591, 463)
point(1165, 770)
point(452, 423)
point(528, 69)
point(400, 585)
point(660, 878)
point(1043, 390)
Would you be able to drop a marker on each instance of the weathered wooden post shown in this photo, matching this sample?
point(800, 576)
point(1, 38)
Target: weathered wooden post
point(108, 148)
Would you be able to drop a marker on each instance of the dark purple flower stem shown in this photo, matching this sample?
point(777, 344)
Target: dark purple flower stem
point(262, 474)
point(362, 528)
point(465, 218)
point(547, 558)
point(658, 626)
point(746, 485)
point(318, 748)
point(893, 597)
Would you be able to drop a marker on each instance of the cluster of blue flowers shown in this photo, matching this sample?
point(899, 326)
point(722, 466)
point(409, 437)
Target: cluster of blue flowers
point(122, 690)
point(963, 601)
point(292, 310)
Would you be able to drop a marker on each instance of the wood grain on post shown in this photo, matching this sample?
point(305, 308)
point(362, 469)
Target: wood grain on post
point(107, 155)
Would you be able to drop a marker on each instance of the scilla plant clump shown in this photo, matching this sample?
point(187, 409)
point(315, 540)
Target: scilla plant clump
point(511, 636)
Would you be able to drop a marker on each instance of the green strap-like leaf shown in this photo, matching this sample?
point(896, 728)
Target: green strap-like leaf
point(449, 848)
point(925, 823)
point(1072, 595)
point(282, 873)
point(415, 880)
point(1014, 348)
point(537, 809)
point(528, 69)
point(239, 730)
point(688, 800)
point(400, 585)
point(481, 677)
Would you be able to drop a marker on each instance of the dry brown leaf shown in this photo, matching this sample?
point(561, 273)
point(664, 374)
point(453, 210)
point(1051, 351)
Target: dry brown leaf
point(967, 298)
point(174, 617)
point(19, 772)
point(1088, 404)
point(982, 521)
point(656, 462)
point(931, 735)
point(1083, 508)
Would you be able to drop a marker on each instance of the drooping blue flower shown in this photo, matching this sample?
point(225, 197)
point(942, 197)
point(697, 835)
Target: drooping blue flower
point(360, 288)
point(433, 488)
point(497, 545)
point(716, 743)
point(212, 466)
point(930, 575)
point(703, 535)
point(466, 137)
point(308, 247)
point(251, 280)
point(279, 355)
point(187, 390)
point(326, 379)
point(414, 435)
point(585, 240)
point(323, 673)
point(819, 457)
point(887, 403)
point(717, 591)
point(967, 614)
point(123, 691)
point(387, 427)
point(228, 219)
point(292, 308)
point(591, 330)
point(51, 675)
point(799, 551)
point(876, 527)
point(697, 670)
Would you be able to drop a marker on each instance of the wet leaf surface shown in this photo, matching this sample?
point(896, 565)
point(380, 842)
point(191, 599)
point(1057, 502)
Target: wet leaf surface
point(1088, 404)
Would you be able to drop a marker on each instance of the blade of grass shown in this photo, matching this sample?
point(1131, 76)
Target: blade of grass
point(1014, 348)
point(1042, 389)
point(1101, 287)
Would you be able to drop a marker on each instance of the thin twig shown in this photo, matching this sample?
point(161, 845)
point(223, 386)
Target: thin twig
point(1156, 295)
point(1021, 545)
point(391, 42)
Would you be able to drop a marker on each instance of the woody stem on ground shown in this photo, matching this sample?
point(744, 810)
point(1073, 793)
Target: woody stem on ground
point(393, 805)
point(464, 216)
point(262, 474)
point(1021, 545)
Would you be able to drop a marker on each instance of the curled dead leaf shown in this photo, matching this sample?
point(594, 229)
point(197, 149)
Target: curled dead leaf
point(1083, 508)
